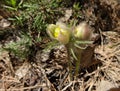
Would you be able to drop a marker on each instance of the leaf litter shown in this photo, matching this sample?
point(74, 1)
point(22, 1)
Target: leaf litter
point(49, 69)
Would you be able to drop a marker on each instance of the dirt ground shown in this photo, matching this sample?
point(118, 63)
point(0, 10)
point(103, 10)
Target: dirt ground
point(47, 70)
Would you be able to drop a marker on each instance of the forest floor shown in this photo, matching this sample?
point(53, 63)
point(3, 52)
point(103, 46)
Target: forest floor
point(31, 64)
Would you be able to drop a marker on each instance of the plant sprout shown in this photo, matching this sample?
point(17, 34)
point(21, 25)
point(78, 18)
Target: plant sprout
point(73, 39)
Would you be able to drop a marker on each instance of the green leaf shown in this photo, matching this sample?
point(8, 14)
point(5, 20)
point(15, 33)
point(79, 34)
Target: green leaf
point(73, 54)
point(84, 42)
point(13, 2)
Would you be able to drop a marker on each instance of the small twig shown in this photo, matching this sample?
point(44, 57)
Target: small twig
point(101, 39)
point(64, 89)
point(25, 88)
point(63, 80)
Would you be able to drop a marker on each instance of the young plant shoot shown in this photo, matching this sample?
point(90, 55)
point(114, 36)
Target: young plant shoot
point(73, 39)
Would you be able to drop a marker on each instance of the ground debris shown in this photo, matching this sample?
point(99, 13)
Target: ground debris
point(48, 70)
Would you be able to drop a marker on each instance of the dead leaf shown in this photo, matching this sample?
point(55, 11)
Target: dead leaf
point(68, 14)
point(105, 86)
point(22, 71)
point(4, 23)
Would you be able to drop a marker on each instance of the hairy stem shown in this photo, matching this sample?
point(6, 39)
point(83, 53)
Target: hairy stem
point(69, 60)
point(78, 54)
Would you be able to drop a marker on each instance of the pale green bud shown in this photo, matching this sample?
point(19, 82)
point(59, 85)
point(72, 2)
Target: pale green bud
point(82, 31)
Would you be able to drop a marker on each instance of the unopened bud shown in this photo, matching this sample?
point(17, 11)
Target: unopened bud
point(82, 31)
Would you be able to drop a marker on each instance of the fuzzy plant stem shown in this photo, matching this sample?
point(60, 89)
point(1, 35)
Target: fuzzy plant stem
point(76, 53)
point(69, 60)
point(77, 67)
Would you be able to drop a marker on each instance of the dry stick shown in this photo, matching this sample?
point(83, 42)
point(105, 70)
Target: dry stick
point(25, 88)
point(101, 39)
point(69, 85)
point(63, 80)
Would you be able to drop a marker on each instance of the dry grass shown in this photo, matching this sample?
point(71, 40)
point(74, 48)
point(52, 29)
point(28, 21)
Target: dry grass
point(54, 76)
point(48, 70)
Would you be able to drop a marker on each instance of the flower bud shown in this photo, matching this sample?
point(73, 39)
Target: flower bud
point(59, 32)
point(50, 30)
point(82, 31)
